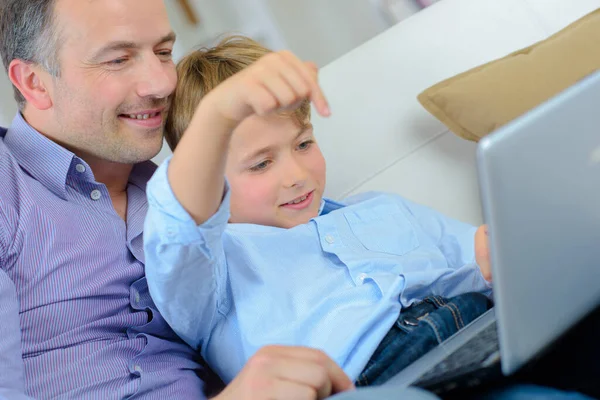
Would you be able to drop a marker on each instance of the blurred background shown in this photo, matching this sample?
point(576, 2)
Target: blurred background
point(316, 30)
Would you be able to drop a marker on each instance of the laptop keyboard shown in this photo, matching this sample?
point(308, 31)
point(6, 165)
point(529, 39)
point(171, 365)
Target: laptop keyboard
point(480, 352)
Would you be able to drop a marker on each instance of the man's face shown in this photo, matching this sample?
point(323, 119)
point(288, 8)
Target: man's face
point(276, 172)
point(112, 95)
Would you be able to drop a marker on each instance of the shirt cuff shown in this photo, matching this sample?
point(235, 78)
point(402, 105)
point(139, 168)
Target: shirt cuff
point(180, 225)
point(488, 286)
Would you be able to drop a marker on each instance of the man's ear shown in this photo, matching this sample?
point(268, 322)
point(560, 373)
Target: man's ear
point(28, 78)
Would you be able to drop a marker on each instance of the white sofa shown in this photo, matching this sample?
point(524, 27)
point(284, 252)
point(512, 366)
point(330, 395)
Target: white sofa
point(380, 138)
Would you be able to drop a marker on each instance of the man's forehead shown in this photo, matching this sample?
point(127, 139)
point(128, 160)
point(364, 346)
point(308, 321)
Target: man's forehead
point(96, 22)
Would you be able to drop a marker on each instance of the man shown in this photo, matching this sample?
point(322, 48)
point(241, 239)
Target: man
point(92, 80)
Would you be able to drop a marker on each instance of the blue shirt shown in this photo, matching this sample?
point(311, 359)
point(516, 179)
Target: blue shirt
point(336, 283)
point(77, 318)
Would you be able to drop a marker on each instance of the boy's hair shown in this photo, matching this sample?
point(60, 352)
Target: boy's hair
point(202, 70)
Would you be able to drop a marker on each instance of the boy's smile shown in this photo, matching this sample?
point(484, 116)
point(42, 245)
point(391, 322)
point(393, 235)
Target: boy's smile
point(301, 202)
point(276, 172)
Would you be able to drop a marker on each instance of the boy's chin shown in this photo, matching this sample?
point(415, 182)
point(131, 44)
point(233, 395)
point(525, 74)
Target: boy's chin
point(301, 220)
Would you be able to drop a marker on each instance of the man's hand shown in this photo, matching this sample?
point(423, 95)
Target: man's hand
point(287, 373)
point(277, 81)
point(482, 252)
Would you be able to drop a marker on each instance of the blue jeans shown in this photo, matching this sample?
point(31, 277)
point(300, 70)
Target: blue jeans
point(418, 329)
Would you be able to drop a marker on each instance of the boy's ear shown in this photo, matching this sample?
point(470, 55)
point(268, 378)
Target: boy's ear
point(27, 78)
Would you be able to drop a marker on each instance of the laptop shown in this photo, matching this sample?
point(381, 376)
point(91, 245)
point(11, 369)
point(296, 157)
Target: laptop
point(539, 179)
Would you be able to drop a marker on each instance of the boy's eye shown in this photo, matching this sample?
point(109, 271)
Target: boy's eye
point(305, 145)
point(261, 166)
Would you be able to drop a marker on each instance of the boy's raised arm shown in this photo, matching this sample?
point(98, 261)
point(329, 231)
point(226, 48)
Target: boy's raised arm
point(276, 81)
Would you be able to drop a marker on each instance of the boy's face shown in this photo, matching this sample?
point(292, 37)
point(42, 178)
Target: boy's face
point(276, 172)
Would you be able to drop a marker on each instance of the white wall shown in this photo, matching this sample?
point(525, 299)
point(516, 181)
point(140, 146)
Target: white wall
point(318, 30)
point(218, 18)
point(8, 107)
point(323, 30)
point(214, 18)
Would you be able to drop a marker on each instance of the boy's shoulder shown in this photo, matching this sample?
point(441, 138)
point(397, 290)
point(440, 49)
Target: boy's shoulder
point(371, 196)
point(385, 200)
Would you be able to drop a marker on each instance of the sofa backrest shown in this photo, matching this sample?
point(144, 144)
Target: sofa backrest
point(380, 138)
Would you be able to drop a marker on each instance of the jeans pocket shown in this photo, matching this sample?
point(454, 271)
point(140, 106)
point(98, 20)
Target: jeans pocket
point(456, 313)
point(410, 318)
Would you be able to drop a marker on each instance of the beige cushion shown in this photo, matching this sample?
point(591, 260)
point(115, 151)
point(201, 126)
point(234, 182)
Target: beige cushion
point(474, 103)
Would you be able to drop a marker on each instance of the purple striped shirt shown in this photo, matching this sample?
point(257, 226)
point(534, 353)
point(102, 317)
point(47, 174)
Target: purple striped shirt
point(76, 318)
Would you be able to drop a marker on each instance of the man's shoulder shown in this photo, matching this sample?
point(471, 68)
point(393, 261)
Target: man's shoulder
point(11, 174)
point(9, 171)
point(8, 163)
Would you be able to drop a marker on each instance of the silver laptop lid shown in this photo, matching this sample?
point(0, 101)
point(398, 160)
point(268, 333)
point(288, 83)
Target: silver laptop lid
point(539, 179)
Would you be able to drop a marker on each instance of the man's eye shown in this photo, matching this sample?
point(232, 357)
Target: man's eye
point(166, 54)
point(261, 166)
point(118, 61)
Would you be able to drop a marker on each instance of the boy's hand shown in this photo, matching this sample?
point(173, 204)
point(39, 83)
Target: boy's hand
point(482, 252)
point(277, 81)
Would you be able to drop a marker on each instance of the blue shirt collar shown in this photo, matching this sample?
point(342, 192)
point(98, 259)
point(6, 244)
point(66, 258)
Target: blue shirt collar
point(328, 205)
point(49, 163)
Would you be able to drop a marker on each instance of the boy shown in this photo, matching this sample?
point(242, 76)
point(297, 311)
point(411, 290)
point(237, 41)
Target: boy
point(242, 250)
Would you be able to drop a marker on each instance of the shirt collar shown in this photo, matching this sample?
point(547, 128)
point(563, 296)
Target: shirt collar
point(141, 174)
point(49, 163)
point(45, 160)
point(328, 205)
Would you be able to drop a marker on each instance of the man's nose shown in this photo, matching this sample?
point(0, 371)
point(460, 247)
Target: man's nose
point(157, 80)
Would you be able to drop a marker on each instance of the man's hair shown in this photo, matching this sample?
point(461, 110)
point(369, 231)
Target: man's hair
point(202, 70)
point(28, 32)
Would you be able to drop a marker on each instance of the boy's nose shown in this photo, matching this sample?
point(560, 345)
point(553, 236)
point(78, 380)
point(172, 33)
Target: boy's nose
point(296, 175)
point(295, 182)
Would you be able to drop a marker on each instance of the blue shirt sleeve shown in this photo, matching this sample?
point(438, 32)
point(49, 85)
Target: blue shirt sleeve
point(456, 240)
point(185, 263)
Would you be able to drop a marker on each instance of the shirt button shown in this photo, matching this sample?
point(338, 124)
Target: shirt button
point(137, 368)
point(361, 277)
point(171, 232)
point(80, 168)
point(137, 297)
point(95, 195)
point(329, 239)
